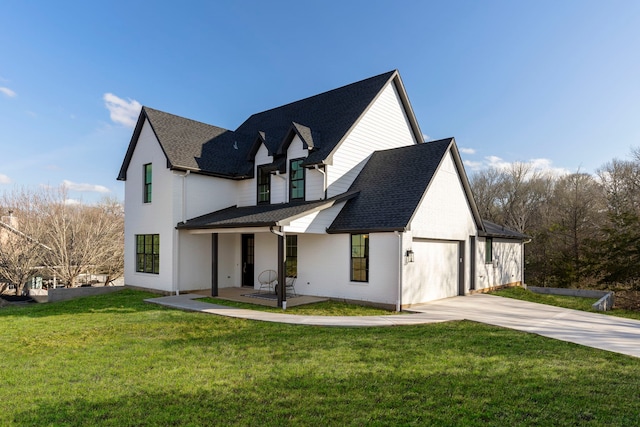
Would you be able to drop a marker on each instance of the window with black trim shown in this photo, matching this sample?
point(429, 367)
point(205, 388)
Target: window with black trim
point(488, 250)
point(264, 185)
point(359, 257)
point(291, 264)
point(147, 183)
point(296, 180)
point(148, 253)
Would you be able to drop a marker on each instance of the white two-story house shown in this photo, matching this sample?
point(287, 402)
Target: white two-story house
point(338, 190)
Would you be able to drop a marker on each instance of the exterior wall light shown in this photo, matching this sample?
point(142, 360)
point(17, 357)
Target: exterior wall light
point(409, 255)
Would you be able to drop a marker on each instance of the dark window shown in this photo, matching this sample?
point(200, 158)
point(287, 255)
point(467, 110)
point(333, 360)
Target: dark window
point(360, 257)
point(292, 256)
point(264, 185)
point(147, 183)
point(148, 253)
point(296, 180)
point(488, 251)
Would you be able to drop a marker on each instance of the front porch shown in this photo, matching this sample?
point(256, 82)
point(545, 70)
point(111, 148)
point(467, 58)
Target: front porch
point(240, 295)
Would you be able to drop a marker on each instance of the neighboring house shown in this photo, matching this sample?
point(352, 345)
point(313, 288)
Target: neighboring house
point(338, 189)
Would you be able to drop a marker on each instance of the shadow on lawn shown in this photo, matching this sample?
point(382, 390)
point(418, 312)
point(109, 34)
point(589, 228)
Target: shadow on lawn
point(126, 300)
point(380, 396)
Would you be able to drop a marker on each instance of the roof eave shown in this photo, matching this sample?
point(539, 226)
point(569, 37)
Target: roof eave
point(367, 230)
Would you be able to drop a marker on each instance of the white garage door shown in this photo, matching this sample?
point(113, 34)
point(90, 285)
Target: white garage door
point(436, 266)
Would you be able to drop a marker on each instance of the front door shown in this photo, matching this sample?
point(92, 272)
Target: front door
point(248, 259)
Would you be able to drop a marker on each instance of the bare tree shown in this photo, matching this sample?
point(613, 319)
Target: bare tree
point(83, 238)
point(21, 251)
point(576, 221)
point(111, 257)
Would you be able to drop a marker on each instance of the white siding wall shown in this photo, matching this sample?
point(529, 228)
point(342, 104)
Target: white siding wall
point(383, 126)
point(507, 265)
point(156, 217)
point(444, 214)
point(317, 222)
point(318, 252)
point(229, 257)
point(314, 185)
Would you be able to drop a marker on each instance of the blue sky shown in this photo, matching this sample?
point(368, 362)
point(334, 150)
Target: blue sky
point(556, 83)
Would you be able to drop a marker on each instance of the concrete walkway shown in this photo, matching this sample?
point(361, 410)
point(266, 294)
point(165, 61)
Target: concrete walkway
point(595, 330)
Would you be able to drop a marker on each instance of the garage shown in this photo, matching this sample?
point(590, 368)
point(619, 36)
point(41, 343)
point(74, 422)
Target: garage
point(434, 274)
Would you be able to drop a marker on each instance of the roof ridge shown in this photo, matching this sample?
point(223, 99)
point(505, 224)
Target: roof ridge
point(153, 110)
point(389, 73)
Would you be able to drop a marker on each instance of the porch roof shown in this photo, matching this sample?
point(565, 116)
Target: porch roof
point(495, 230)
point(261, 215)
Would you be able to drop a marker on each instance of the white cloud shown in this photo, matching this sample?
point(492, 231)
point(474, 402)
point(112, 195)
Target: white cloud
point(85, 187)
point(464, 150)
point(4, 179)
point(475, 166)
point(124, 112)
point(425, 137)
point(72, 202)
point(540, 165)
point(8, 92)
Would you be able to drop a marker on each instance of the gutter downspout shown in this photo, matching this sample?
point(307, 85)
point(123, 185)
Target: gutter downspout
point(524, 242)
point(400, 267)
point(324, 179)
point(183, 214)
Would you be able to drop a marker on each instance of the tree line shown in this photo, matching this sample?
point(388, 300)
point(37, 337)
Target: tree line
point(584, 228)
point(42, 234)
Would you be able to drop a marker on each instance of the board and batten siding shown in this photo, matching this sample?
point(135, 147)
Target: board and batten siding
point(385, 125)
point(156, 217)
point(316, 252)
point(505, 267)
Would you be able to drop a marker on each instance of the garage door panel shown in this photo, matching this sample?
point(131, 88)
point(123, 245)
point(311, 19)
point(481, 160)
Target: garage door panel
point(435, 271)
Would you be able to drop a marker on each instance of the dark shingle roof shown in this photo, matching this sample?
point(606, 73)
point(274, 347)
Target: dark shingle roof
point(391, 186)
point(331, 113)
point(495, 230)
point(260, 215)
point(196, 146)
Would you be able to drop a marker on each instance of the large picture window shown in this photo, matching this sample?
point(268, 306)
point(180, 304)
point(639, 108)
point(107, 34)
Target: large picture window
point(146, 191)
point(148, 253)
point(296, 180)
point(359, 257)
point(264, 185)
point(292, 256)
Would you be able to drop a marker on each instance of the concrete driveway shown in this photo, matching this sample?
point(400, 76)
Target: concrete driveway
point(591, 329)
point(601, 331)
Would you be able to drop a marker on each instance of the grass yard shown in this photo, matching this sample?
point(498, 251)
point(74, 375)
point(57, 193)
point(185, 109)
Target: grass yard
point(115, 360)
point(326, 308)
point(576, 303)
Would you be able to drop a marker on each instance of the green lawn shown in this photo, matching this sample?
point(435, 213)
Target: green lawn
point(115, 360)
point(576, 303)
point(326, 308)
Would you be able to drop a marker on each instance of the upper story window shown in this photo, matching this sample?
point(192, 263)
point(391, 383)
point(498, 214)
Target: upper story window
point(359, 257)
point(146, 191)
point(296, 180)
point(264, 185)
point(488, 250)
